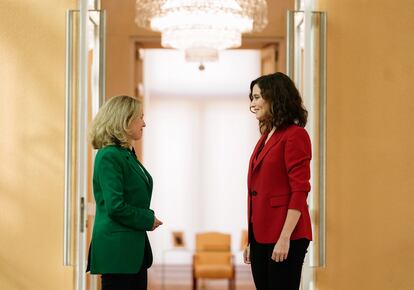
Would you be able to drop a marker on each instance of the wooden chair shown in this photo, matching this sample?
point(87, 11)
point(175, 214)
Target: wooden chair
point(213, 258)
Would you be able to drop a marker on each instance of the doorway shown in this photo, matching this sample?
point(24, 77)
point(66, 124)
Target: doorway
point(197, 144)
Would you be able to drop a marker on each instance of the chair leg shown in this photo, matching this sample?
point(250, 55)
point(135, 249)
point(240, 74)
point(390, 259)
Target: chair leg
point(232, 280)
point(232, 284)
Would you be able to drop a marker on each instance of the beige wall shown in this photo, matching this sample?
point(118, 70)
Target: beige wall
point(370, 181)
point(32, 56)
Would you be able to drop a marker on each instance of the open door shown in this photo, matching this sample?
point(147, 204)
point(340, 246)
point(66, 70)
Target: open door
point(85, 93)
point(138, 82)
point(273, 58)
point(306, 66)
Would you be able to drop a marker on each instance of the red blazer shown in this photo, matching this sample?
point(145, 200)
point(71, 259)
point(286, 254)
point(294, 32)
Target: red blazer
point(278, 180)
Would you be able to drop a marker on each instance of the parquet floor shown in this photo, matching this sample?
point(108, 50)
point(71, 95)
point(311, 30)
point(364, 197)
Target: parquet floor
point(205, 287)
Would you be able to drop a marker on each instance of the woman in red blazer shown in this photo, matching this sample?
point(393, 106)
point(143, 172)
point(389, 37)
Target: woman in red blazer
point(278, 185)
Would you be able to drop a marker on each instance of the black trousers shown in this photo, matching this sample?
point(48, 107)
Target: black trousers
point(271, 275)
point(136, 281)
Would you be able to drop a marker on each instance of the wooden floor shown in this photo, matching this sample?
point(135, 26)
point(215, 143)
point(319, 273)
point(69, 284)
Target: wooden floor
point(203, 287)
point(179, 277)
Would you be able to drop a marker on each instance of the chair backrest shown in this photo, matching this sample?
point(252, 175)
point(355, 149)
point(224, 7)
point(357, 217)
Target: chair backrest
point(213, 241)
point(213, 258)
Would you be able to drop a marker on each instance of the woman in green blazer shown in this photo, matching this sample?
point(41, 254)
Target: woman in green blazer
point(122, 188)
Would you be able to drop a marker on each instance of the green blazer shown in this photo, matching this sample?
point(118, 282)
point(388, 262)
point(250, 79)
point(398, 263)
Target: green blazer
point(122, 189)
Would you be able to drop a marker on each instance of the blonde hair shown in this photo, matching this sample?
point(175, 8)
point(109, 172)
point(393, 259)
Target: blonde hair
point(111, 123)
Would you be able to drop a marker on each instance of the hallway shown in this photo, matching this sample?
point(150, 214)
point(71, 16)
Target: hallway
point(369, 147)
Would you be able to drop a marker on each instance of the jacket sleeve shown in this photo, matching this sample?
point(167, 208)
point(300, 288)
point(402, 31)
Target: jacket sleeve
point(298, 154)
point(111, 179)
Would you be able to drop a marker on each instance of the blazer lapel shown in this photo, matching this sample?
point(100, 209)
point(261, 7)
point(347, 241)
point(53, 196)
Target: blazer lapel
point(134, 163)
point(149, 177)
point(274, 139)
point(258, 145)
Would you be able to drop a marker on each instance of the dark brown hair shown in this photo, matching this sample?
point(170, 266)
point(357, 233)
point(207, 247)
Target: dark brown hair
point(285, 102)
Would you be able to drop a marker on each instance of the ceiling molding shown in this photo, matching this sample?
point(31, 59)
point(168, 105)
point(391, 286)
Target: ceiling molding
point(248, 42)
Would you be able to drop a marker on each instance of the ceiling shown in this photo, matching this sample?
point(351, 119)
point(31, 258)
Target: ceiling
point(121, 14)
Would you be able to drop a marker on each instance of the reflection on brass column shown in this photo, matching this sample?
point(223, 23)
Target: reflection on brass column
point(68, 143)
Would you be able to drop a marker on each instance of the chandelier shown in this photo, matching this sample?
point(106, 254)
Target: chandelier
point(201, 27)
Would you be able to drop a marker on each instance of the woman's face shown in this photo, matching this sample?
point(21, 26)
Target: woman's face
point(258, 105)
point(135, 128)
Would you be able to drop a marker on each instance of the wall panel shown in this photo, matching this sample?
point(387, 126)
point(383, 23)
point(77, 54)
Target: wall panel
point(32, 58)
point(370, 229)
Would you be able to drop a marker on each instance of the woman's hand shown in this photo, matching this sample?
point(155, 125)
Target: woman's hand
point(246, 255)
point(156, 224)
point(281, 249)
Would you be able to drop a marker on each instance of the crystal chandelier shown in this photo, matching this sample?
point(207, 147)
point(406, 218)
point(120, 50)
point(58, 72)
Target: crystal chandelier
point(201, 27)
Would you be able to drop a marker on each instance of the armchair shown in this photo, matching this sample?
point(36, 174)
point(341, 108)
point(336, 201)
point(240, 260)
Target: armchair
point(213, 258)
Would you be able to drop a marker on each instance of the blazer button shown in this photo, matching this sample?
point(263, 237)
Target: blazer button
point(254, 193)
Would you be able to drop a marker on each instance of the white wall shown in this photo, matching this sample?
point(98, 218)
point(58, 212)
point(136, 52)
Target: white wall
point(199, 137)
